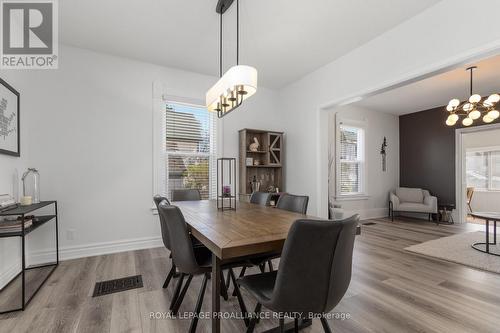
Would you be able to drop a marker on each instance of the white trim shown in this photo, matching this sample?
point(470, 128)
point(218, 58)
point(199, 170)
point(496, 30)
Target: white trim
point(352, 197)
point(460, 180)
point(95, 249)
point(6, 275)
point(356, 124)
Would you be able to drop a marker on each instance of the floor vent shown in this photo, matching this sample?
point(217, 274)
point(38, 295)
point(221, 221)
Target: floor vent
point(115, 286)
point(369, 223)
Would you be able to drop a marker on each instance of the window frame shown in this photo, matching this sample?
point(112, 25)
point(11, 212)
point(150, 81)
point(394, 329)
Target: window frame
point(160, 172)
point(361, 160)
point(489, 181)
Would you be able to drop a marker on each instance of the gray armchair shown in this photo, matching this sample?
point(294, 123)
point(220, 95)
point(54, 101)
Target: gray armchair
point(412, 200)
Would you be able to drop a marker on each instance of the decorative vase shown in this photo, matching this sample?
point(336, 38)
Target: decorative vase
point(31, 185)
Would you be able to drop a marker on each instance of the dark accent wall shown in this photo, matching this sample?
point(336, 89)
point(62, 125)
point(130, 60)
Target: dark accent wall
point(427, 153)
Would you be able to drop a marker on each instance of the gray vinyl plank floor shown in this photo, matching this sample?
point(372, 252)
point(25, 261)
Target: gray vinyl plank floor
point(392, 290)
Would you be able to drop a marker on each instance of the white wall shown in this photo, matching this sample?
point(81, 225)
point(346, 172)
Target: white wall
point(482, 200)
point(378, 183)
point(89, 132)
point(419, 46)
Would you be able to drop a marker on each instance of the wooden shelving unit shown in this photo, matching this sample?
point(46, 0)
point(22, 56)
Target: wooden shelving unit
point(269, 170)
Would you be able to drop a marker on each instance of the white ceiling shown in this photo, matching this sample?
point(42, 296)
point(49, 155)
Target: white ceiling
point(438, 90)
point(283, 39)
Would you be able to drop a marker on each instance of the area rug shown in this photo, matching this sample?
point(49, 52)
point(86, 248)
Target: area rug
point(457, 249)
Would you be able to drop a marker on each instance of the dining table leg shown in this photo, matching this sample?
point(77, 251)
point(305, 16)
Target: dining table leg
point(216, 280)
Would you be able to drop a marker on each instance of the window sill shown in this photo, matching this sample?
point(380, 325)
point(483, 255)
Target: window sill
point(352, 197)
point(486, 190)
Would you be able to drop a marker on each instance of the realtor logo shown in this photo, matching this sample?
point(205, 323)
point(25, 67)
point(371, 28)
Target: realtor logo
point(29, 36)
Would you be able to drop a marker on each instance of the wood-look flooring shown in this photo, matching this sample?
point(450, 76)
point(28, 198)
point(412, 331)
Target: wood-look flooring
point(391, 291)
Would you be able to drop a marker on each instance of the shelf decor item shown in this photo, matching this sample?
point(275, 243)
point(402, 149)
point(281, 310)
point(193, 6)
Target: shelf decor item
point(9, 120)
point(31, 185)
point(226, 183)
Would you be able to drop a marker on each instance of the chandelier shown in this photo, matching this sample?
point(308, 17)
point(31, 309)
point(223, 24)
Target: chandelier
point(474, 108)
point(238, 83)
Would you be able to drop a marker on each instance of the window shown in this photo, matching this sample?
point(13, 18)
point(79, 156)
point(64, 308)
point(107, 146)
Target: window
point(189, 149)
point(350, 160)
point(483, 169)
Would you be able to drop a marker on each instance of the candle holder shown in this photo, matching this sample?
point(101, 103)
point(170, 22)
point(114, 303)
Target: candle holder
point(226, 183)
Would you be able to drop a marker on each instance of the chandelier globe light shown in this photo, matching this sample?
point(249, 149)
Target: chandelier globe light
point(474, 108)
point(238, 83)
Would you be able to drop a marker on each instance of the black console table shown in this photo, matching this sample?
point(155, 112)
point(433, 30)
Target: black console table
point(48, 268)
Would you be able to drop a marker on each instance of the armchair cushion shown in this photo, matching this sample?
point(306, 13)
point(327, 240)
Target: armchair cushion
point(406, 194)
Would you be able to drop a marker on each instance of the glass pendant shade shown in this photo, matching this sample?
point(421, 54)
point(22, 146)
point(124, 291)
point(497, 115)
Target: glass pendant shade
point(453, 117)
point(487, 119)
point(454, 103)
point(493, 114)
point(475, 98)
point(235, 86)
point(474, 115)
point(450, 121)
point(494, 98)
point(467, 121)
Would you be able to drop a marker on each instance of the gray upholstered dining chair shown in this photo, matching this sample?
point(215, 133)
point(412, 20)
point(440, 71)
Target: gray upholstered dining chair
point(293, 203)
point(164, 235)
point(260, 198)
point(191, 194)
point(314, 272)
point(191, 261)
point(158, 199)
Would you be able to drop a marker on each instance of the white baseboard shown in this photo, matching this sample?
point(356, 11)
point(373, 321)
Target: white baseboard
point(9, 273)
point(94, 249)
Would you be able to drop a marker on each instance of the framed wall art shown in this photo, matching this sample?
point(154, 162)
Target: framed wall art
point(9, 120)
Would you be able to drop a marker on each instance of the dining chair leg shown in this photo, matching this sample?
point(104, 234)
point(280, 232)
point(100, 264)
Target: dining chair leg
point(180, 298)
point(270, 263)
point(255, 317)
point(296, 325)
point(282, 325)
point(169, 277)
point(199, 302)
point(240, 298)
point(326, 327)
point(223, 289)
point(177, 291)
point(242, 274)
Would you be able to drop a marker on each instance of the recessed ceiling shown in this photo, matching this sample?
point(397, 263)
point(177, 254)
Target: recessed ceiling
point(438, 90)
point(284, 39)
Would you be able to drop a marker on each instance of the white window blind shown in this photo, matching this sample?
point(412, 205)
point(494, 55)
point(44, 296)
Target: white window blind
point(483, 169)
point(350, 160)
point(190, 134)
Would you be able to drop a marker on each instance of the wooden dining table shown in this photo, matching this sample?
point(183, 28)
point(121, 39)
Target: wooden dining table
point(249, 230)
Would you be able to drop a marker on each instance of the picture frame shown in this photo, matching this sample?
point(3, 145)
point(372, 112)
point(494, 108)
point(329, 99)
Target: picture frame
point(10, 124)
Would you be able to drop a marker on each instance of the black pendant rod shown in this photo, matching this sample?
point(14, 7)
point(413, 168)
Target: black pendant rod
point(471, 69)
point(220, 46)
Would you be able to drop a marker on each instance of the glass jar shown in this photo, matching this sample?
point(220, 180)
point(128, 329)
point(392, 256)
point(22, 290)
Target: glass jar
point(31, 185)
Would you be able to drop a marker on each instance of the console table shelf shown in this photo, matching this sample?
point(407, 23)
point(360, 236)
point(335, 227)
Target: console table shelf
point(34, 273)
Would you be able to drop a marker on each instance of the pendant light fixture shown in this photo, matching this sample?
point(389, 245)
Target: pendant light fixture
point(474, 108)
point(238, 83)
